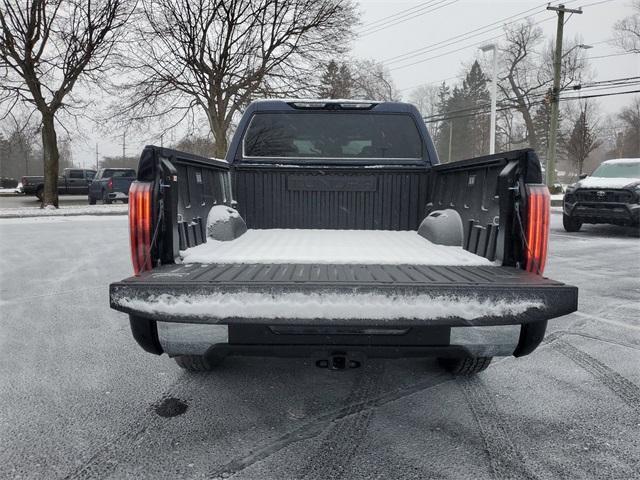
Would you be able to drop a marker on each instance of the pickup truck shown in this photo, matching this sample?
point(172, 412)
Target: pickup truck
point(331, 231)
point(111, 184)
point(74, 181)
point(610, 195)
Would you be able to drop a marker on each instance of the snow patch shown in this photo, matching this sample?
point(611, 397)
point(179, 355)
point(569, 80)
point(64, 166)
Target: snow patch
point(50, 210)
point(329, 306)
point(331, 247)
point(602, 182)
point(221, 213)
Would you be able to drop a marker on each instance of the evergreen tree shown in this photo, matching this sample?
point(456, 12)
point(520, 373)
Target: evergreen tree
point(336, 81)
point(582, 140)
point(470, 136)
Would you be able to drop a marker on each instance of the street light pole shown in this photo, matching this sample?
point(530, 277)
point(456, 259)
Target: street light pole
point(494, 93)
point(555, 94)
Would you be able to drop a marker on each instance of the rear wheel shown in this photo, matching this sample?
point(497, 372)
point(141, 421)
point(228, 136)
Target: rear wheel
point(105, 198)
point(466, 365)
point(197, 363)
point(570, 224)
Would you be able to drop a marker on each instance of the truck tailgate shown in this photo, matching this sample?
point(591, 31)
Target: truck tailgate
point(342, 294)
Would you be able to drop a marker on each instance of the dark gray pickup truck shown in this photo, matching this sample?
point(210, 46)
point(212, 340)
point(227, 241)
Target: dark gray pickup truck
point(73, 181)
point(111, 184)
point(331, 231)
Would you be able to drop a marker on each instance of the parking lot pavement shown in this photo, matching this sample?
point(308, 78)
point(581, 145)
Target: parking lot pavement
point(81, 400)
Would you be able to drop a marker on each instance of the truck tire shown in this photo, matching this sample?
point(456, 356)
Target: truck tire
point(92, 200)
point(571, 224)
point(197, 363)
point(466, 365)
point(40, 193)
point(105, 198)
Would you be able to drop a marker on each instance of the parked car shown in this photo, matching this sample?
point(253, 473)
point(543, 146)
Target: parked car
point(341, 239)
point(74, 181)
point(610, 195)
point(111, 184)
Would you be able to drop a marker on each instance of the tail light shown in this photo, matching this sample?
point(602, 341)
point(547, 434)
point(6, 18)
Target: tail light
point(24, 181)
point(140, 226)
point(110, 184)
point(537, 234)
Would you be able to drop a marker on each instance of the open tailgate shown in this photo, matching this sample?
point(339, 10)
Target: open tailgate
point(321, 294)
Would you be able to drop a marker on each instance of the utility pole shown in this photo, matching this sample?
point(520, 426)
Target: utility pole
point(450, 137)
point(124, 143)
point(96, 156)
point(494, 88)
point(555, 93)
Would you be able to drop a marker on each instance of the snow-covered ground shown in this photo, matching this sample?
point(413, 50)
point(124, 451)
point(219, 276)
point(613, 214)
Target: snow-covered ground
point(330, 246)
point(36, 211)
point(7, 190)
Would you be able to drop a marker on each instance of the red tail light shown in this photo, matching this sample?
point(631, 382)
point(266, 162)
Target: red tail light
point(24, 181)
point(110, 184)
point(140, 226)
point(537, 227)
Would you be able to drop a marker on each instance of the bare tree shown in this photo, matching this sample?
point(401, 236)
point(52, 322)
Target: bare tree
point(46, 48)
point(527, 71)
point(215, 56)
point(626, 32)
point(372, 81)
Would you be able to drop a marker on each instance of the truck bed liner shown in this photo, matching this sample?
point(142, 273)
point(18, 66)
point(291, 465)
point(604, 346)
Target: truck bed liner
point(403, 284)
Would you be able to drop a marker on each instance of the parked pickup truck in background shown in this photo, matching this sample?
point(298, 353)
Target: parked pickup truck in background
point(111, 184)
point(610, 195)
point(341, 239)
point(74, 181)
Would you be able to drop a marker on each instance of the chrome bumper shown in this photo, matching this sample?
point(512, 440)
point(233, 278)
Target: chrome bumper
point(196, 339)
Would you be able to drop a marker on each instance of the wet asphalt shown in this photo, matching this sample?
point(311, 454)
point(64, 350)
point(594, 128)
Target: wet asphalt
point(79, 399)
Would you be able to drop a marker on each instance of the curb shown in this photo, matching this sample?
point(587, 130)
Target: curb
point(70, 214)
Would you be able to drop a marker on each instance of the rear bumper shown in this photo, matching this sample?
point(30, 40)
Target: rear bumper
point(615, 213)
point(223, 340)
point(118, 196)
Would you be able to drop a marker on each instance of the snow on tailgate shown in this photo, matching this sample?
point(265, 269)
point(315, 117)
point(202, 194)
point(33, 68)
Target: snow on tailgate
point(331, 247)
point(330, 306)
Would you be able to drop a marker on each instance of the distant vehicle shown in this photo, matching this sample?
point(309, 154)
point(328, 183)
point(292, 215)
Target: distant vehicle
point(74, 181)
point(349, 241)
point(111, 184)
point(610, 195)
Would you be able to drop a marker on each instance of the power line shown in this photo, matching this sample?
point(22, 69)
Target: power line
point(462, 36)
point(436, 6)
point(433, 119)
point(366, 26)
point(467, 35)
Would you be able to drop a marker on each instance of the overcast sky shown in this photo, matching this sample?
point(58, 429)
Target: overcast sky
point(440, 21)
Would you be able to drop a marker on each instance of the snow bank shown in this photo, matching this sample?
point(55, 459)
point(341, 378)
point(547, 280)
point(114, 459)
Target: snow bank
point(330, 247)
point(329, 306)
point(64, 211)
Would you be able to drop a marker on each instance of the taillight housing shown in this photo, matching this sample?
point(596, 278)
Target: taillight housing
point(537, 232)
point(110, 184)
point(140, 225)
point(24, 181)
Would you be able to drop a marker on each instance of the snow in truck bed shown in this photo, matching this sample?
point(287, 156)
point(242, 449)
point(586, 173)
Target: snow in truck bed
point(331, 247)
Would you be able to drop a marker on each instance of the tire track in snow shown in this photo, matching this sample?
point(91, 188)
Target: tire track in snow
point(343, 439)
point(319, 423)
point(120, 448)
point(627, 391)
point(505, 460)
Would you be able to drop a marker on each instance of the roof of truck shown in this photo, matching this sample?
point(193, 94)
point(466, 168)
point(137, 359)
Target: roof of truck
point(289, 104)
